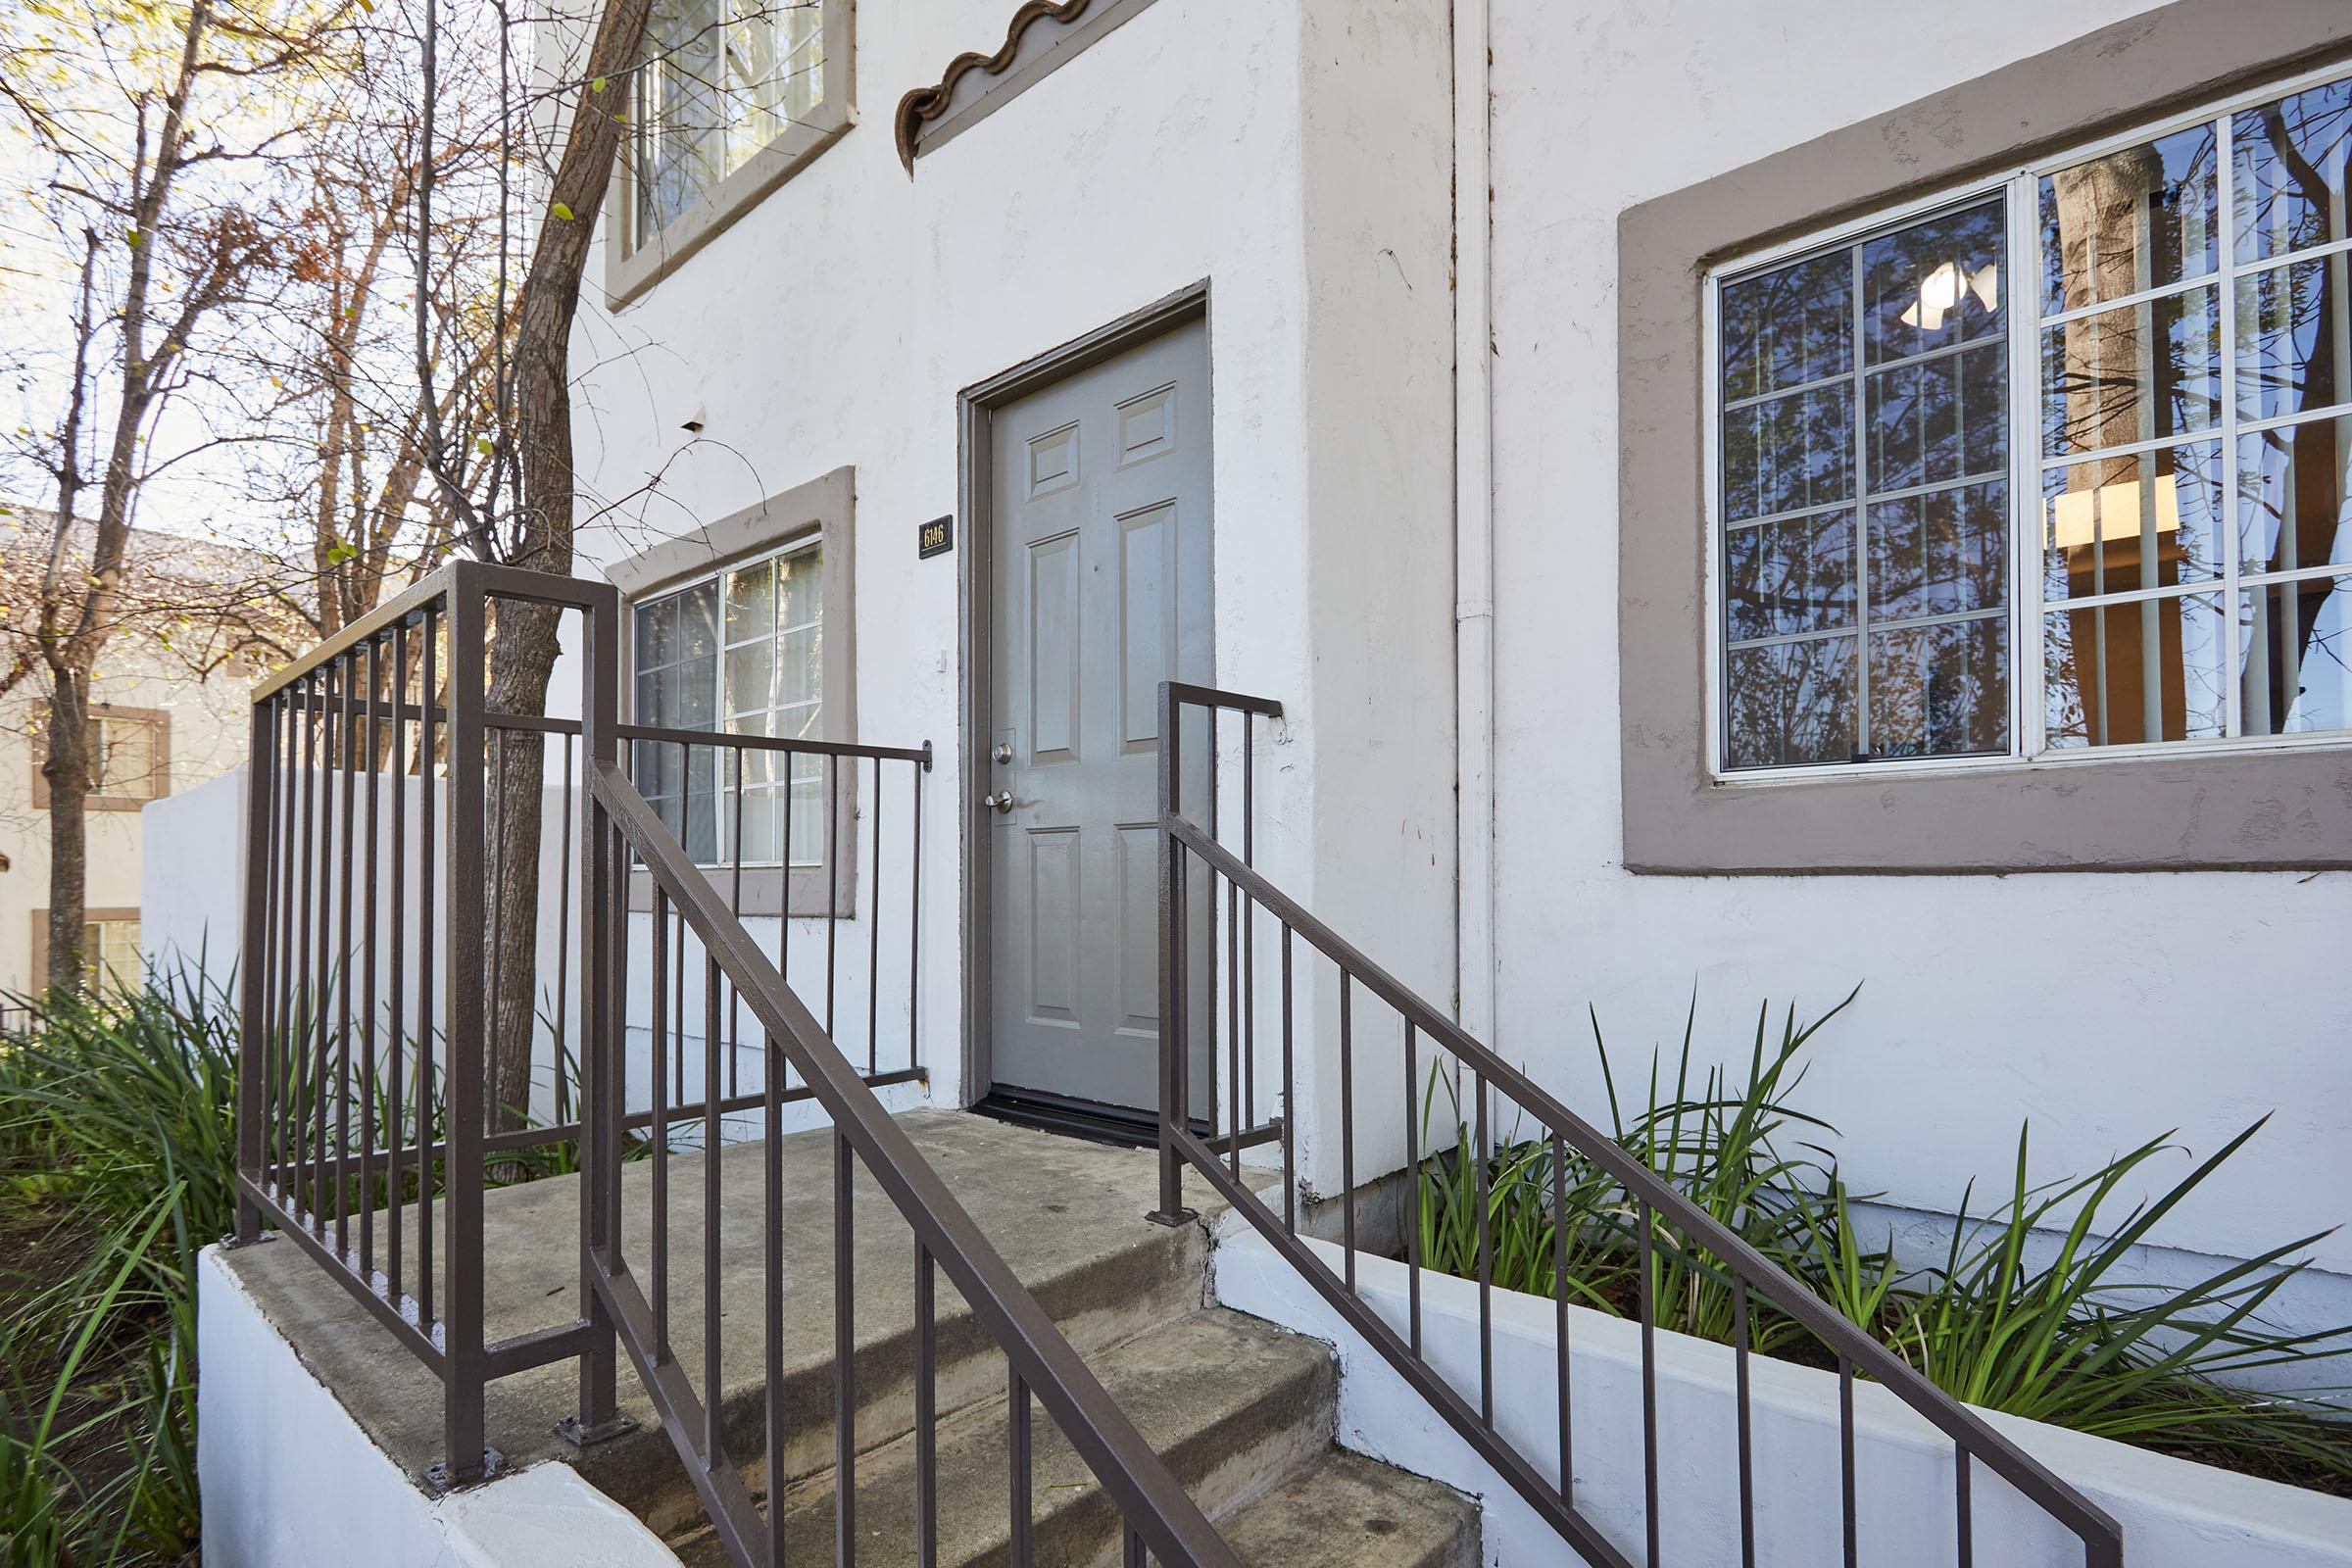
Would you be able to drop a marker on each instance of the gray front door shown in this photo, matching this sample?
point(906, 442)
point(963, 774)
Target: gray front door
point(1099, 540)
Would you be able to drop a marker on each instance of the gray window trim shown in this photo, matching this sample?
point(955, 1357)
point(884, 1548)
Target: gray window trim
point(631, 268)
point(1040, 43)
point(822, 510)
point(2242, 809)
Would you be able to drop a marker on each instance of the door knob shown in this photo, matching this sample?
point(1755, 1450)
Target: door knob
point(997, 803)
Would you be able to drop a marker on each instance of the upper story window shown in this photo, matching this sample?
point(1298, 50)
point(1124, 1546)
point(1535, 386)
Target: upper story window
point(732, 98)
point(741, 651)
point(2061, 464)
point(130, 755)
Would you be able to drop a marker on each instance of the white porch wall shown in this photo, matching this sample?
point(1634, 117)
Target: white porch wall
point(1257, 146)
point(2105, 1008)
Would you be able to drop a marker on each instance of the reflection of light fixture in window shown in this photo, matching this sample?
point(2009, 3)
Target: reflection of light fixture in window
point(2074, 515)
point(1940, 292)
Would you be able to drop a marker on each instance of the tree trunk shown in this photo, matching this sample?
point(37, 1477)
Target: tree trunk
point(66, 766)
point(523, 649)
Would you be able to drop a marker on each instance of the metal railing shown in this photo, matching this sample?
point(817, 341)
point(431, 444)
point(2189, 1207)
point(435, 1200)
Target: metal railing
point(1668, 1228)
point(369, 1118)
point(367, 1130)
point(1157, 1517)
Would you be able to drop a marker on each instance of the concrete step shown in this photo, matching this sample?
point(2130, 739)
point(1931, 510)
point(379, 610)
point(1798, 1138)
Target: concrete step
point(1348, 1511)
point(1240, 1411)
point(1242, 1414)
point(1067, 1218)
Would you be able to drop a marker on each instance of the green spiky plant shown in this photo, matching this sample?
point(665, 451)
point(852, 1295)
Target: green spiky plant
point(2070, 1340)
point(1725, 1148)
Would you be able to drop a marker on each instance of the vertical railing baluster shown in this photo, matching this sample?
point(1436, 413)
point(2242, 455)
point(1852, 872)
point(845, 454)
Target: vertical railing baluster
point(873, 938)
point(471, 1031)
point(1747, 1452)
point(321, 1155)
point(832, 878)
point(1412, 1191)
point(735, 907)
point(566, 1107)
point(1019, 1460)
point(1845, 1459)
point(678, 1037)
point(711, 1154)
point(298, 1108)
point(1133, 1556)
point(495, 742)
point(395, 1179)
point(1643, 1248)
point(430, 725)
point(345, 735)
point(1248, 979)
point(845, 1358)
point(253, 979)
point(1348, 1125)
point(1960, 1500)
point(275, 1003)
point(1233, 1024)
point(1479, 1154)
point(915, 913)
point(368, 943)
point(771, 1127)
point(926, 1410)
point(1559, 1316)
point(1290, 1113)
point(659, 1127)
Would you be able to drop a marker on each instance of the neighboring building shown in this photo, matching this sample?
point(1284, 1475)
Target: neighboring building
point(1598, 685)
point(163, 728)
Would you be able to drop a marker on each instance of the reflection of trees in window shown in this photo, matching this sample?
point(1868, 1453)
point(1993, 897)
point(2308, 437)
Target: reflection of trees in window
point(1878, 368)
point(723, 78)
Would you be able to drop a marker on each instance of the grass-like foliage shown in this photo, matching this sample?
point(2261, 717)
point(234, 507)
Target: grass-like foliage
point(116, 1165)
point(2033, 1308)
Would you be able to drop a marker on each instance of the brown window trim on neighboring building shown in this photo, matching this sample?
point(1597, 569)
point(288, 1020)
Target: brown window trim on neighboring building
point(160, 776)
point(821, 509)
point(41, 937)
point(2241, 809)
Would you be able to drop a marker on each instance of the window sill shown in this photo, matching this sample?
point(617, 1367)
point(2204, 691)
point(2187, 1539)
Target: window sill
point(1928, 767)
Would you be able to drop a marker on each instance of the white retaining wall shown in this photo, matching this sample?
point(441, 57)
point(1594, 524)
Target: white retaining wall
point(290, 1479)
point(2174, 1514)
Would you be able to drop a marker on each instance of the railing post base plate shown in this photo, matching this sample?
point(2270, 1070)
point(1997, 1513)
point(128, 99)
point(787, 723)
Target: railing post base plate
point(440, 1479)
point(1172, 1218)
point(572, 1432)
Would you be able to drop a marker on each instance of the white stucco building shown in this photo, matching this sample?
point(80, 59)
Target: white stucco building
point(1459, 509)
point(1739, 509)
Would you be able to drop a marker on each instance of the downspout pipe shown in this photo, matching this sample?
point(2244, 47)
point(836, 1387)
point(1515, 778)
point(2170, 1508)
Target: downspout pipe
point(1474, 519)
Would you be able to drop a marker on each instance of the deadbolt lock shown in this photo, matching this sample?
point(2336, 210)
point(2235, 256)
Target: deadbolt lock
point(1003, 751)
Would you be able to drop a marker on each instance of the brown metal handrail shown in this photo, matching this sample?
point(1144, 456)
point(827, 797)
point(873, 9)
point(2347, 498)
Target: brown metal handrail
point(1660, 1206)
point(366, 1128)
point(1159, 1517)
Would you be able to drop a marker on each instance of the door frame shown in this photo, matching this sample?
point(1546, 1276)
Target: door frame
point(976, 406)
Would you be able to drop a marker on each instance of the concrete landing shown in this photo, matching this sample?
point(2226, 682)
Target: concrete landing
point(1067, 1216)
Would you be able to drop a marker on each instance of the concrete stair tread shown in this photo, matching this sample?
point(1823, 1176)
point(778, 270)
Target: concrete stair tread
point(1348, 1511)
point(1067, 1216)
point(1226, 1400)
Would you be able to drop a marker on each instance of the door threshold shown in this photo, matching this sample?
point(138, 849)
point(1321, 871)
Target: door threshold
point(1120, 1126)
